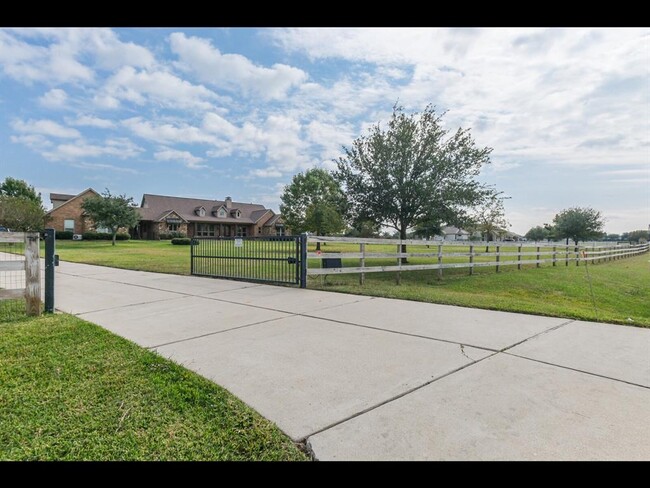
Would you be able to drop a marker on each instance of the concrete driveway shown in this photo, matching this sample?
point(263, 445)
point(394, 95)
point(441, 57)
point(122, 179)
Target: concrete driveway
point(361, 378)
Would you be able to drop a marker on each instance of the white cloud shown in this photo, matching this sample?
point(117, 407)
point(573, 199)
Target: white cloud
point(233, 71)
point(185, 157)
point(45, 127)
point(28, 62)
point(103, 166)
point(120, 147)
point(91, 121)
point(168, 133)
point(55, 98)
point(157, 87)
point(63, 59)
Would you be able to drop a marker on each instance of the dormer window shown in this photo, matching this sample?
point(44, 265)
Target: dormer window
point(200, 211)
point(235, 213)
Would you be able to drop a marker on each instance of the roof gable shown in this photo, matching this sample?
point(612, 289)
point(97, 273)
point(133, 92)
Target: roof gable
point(87, 190)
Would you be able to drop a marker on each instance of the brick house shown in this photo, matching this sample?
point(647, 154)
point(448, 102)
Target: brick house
point(67, 214)
point(204, 218)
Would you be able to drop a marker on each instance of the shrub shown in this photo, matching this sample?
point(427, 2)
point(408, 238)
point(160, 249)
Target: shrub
point(181, 241)
point(164, 237)
point(63, 235)
point(171, 235)
point(90, 236)
point(177, 234)
point(122, 236)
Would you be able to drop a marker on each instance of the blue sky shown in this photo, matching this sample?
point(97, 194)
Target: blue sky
point(215, 112)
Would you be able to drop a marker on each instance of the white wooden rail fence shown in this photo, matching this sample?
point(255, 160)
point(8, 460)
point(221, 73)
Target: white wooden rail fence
point(29, 266)
point(543, 252)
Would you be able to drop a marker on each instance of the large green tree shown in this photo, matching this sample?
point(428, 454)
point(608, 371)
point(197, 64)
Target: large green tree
point(12, 187)
point(317, 190)
point(111, 211)
point(537, 233)
point(413, 171)
point(22, 214)
point(578, 224)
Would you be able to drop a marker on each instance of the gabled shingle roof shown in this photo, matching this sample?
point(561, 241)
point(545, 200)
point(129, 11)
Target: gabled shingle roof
point(61, 197)
point(155, 207)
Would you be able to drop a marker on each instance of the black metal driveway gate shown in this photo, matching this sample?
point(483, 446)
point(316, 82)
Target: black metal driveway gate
point(263, 259)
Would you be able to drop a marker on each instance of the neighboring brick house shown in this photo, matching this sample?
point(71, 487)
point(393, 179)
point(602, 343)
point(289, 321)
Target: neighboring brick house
point(67, 214)
point(204, 218)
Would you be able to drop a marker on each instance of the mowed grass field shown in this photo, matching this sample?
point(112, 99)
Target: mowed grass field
point(73, 391)
point(621, 288)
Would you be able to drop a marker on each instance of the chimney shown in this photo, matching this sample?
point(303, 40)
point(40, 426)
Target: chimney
point(228, 202)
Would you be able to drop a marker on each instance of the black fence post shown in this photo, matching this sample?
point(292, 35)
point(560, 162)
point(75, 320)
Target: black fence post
point(50, 249)
point(303, 260)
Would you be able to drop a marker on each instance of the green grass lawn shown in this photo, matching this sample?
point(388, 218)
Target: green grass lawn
point(621, 288)
point(73, 391)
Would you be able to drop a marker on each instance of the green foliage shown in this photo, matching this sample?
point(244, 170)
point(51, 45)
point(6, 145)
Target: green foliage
point(105, 236)
point(323, 219)
point(413, 171)
point(22, 214)
point(363, 228)
point(579, 224)
point(181, 241)
point(171, 235)
point(537, 233)
point(63, 235)
point(314, 188)
point(489, 218)
point(638, 236)
point(111, 211)
point(12, 187)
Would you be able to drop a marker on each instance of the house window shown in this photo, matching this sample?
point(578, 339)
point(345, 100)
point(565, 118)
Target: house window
point(68, 225)
point(172, 227)
point(205, 230)
point(222, 213)
point(279, 230)
point(242, 231)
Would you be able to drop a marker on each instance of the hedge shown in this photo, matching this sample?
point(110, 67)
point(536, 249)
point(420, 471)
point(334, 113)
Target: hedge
point(182, 241)
point(63, 235)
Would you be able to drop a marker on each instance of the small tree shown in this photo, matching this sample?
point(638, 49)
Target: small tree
point(12, 187)
point(490, 219)
point(578, 224)
point(111, 211)
point(315, 188)
point(412, 171)
point(22, 214)
point(537, 233)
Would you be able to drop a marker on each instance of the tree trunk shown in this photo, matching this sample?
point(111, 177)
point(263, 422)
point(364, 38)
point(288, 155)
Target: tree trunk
point(114, 234)
point(402, 235)
point(318, 246)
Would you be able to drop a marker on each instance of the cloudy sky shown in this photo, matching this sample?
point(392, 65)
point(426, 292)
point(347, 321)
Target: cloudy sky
point(216, 112)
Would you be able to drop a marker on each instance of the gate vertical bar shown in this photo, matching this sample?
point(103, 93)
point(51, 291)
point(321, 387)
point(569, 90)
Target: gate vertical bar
point(50, 249)
point(303, 260)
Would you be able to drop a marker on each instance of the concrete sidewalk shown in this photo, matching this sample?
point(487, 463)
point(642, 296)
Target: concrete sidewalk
point(373, 378)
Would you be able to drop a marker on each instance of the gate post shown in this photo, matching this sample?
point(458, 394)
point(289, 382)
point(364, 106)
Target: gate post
point(303, 260)
point(50, 249)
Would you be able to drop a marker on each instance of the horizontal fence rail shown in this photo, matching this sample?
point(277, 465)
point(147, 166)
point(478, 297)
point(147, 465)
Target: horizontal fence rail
point(435, 253)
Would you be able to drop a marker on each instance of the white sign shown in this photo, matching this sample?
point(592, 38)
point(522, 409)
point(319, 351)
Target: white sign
point(239, 242)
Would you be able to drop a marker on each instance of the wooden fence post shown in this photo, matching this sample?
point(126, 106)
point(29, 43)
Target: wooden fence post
point(471, 259)
point(554, 255)
point(538, 263)
point(519, 257)
point(498, 257)
point(577, 251)
point(439, 261)
point(399, 263)
point(362, 276)
point(566, 250)
point(32, 275)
